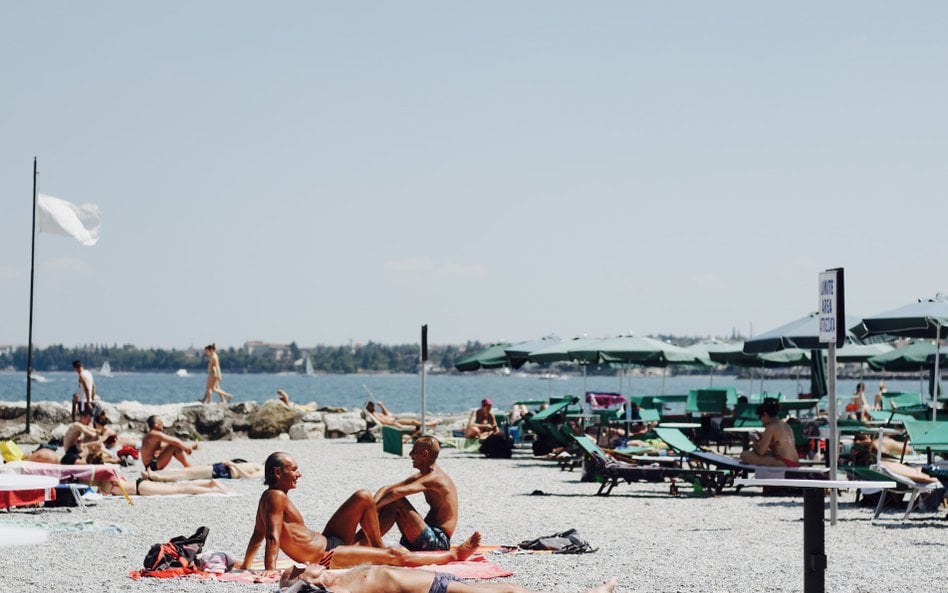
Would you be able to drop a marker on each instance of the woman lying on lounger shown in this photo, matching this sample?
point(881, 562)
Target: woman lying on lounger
point(234, 469)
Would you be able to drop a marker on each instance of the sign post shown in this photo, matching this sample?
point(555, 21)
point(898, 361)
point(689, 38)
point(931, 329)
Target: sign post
point(832, 317)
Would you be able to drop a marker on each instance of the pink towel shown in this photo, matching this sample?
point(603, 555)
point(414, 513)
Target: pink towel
point(475, 567)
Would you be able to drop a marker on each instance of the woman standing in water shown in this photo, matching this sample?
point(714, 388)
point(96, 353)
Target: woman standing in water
point(214, 376)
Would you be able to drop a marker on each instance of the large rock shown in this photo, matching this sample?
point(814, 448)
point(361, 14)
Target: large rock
point(51, 412)
point(302, 431)
point(312, 417)
point(243, 408)
point(17, 432)
point(10, 410)
point(344, 424)
point(213, 422)
point(272, 419)
point(58, 432)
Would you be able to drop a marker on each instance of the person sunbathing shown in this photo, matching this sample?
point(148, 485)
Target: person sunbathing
point(280, 524)
point(145, 487)
point(386, 418)
point(776, 446)
point(482, 423)
point(235, 469)
point(387, 579)
point(284, 397)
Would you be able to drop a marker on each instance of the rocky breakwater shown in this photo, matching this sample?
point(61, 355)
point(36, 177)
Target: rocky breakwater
point(271, 419)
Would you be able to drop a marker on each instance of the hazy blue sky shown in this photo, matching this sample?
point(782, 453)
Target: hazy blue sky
point(324, 172)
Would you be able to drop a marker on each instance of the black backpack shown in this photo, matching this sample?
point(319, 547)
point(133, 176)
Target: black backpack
point(498, 445)
point(179, 553)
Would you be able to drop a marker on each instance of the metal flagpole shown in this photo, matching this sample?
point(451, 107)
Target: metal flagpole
point(29, 343)
point(424, 376)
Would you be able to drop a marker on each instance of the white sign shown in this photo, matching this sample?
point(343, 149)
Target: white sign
point(828, 306)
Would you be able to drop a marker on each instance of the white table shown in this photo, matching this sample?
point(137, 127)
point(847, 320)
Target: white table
point(814, 537)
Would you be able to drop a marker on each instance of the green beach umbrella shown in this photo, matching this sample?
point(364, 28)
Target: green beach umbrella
point(926, 318)
point(563, 351)
point(519, 354)
point(640, 350)
point(914, 356)
point(492, 357)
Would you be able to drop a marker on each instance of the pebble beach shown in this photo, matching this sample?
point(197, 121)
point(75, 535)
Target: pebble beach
point(648, 539)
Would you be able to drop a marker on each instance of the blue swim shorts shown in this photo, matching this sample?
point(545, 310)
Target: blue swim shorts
point(440, 582)
point(431, 539)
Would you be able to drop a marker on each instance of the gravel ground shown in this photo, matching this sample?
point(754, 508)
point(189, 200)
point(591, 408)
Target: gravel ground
point(649, 540)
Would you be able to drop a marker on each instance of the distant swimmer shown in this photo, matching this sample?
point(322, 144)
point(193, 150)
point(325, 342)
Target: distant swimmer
point(214, 376)
point(279, 526)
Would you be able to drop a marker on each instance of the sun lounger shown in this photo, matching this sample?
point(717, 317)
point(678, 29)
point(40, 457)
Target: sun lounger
point(904, 484)
point(928, 435)
point(679, 442)
point(611, 470)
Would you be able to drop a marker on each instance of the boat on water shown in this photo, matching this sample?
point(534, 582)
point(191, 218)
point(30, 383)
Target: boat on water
point(38, 378)
point(181, 372)
point(106, 370)
point(310, 371)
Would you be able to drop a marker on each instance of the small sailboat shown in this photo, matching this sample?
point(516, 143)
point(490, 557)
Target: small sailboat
point(38, 378)
point(181, 372)
point(106, 370)
point(309, 367)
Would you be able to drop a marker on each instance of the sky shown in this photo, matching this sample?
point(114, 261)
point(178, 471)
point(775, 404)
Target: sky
point(329, 173)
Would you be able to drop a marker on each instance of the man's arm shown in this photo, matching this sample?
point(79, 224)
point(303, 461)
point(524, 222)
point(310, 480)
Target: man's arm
point(268, 527)
point(170, 440)
point(410, 485)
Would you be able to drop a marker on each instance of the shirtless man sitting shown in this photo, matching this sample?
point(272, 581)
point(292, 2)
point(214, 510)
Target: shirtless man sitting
point(776, 447)
point(158, 448)
point(434, 530)
point(79, 437)
point(387, 579)
point(280, 524)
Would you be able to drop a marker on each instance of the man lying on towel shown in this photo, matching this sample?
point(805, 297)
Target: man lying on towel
point(235, 469)
point(434, 530)
point(280, 524)
point(776, 446)
point(385, 579)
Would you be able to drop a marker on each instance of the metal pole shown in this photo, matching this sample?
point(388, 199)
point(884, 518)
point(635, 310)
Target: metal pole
point(834, 429)
point(814, 552)
point(424, 376)
point(29, 341)
point(935, 389)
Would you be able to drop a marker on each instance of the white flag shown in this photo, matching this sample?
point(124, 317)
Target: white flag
point(65, 218)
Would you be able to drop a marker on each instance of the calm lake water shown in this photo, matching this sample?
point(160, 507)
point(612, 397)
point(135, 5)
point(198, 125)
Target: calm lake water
point(400, 393)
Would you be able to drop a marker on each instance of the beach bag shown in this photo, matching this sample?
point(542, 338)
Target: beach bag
point(498, 446)
point(178, 556)
point(11, 451)
point(567, 542)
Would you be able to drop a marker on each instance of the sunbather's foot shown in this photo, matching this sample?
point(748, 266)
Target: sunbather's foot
point(218, 486)
point(607, 587)
point(146, 473)
point(470, 545)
